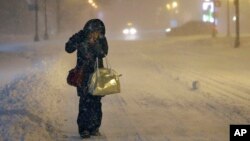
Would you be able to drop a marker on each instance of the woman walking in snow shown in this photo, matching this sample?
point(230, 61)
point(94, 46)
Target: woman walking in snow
point(90, 43)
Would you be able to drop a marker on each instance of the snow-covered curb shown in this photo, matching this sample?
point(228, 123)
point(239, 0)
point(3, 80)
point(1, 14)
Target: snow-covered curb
point(31, 104)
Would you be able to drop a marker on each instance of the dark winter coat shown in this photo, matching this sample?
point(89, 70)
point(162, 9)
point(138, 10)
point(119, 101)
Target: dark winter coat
point(86, 52)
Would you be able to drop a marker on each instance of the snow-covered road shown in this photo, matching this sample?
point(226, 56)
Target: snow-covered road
point(157, 103)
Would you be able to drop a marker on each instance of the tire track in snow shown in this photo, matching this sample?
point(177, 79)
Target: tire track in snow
point(212, 84)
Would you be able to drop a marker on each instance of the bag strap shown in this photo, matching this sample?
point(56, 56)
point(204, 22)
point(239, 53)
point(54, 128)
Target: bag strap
point(107, 63)
point(108, 66)
point(97, 66)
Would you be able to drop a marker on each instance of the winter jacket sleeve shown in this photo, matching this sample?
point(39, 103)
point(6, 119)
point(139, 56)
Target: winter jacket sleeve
point(101, 49)
point(105, 47)
point(74, 42)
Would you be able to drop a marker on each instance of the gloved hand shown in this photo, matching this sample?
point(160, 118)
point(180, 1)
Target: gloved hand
point(98, 50)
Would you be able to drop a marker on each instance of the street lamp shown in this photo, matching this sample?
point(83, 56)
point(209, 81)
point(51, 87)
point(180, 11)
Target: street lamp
point(93, 4)
point(228, 18)
point(174, 4)
point(171, 6)
point(237, 13)
point(36, 38)
point(90, 1)
point(168, 6)
point(46, 36)
point(58, 15)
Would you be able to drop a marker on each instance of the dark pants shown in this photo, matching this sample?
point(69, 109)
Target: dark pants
point(90, 111)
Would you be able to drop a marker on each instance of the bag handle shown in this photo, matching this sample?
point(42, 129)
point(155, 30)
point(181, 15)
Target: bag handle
point(108, 66)
point(97, 67)
point(107, 63)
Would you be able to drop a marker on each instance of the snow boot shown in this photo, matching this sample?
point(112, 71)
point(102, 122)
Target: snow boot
point(95, 133)
point(85, 134)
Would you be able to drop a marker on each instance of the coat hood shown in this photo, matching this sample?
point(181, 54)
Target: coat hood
point(93, 25)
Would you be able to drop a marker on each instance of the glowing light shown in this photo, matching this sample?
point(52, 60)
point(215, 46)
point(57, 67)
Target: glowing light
point(168, 6)
point(129, 24)
point(132, 31)
point(208, 10)
point(125, 31)
point(92, 3)
point(205, 18)
point(234, 18)
point(174, 4)
point(211, 20)
point(168, 30)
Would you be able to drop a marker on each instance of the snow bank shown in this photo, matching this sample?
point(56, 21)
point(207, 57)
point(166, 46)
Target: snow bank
point(31, 104)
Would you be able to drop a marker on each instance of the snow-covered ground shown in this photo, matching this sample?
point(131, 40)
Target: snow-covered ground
point(158, 100)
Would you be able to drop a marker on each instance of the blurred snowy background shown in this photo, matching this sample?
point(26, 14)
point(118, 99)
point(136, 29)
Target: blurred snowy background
point(178, 83)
